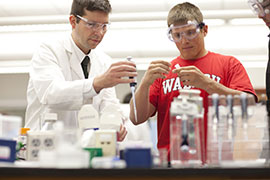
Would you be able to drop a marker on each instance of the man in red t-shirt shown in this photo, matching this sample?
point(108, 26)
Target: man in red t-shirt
point(195, 68)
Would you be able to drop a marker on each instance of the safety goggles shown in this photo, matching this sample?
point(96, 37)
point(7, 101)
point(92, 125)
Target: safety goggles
point(189, 31)
point(94, 25)
point(260, 7)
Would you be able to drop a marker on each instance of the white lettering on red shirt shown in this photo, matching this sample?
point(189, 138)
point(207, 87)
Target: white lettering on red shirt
point(169, 85)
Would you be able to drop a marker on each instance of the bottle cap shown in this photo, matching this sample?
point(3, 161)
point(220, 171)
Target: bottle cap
point(24, 130)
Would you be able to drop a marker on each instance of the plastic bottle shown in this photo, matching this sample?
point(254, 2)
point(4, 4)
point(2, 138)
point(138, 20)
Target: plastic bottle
point(49, 120)
point(88, 118)
point(21, 144)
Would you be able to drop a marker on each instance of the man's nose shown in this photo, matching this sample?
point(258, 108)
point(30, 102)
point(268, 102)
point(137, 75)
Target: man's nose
point(184, 40)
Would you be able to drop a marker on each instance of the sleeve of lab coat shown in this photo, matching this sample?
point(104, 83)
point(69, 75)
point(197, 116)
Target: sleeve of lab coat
point(50, 85)
point(109, 99)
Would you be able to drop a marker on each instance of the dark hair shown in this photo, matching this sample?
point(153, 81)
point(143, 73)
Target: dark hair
point(78, 6)
point(184, 12)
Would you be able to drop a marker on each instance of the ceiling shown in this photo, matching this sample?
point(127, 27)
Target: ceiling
point(12, 8)
point(55, 11)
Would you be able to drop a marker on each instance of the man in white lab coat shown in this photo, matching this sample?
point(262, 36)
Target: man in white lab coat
point(262, 9)
point(57, 82)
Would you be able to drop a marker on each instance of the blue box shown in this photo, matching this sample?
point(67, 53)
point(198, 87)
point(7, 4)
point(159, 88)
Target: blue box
point(138, 157)
point(7, 150)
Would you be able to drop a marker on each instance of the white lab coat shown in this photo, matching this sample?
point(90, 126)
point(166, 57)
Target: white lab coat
point(141, 132)
point(57, 83)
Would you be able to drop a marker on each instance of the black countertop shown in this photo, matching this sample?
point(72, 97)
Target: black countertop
point(169, 173)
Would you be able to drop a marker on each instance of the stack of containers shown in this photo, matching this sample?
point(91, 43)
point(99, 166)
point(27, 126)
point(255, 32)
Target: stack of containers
point(237, 131)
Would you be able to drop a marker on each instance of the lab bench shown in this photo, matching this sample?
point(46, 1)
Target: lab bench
point(9, 173)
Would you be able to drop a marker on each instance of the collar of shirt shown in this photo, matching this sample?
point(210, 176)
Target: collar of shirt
point(80, 55)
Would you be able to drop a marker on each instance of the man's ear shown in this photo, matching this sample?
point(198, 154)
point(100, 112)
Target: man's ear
point(205, 30)
point(72, 21)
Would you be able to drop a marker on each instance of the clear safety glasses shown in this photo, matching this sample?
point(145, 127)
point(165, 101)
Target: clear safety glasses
point(94, 25)
point(189, 31)
point(260, 7)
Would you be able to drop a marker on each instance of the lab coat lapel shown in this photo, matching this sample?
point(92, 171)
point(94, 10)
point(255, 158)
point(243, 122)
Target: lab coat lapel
point(75, 66)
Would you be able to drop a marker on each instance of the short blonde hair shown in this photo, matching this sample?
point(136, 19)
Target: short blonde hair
point(184, 12)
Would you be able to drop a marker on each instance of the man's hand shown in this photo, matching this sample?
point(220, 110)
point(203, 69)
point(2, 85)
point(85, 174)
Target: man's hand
point(118, 73)
point(156, 69)
point(121, 134)
point(192, 76)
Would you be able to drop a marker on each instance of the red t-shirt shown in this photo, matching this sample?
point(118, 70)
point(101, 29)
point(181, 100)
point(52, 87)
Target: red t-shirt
point(226, 70)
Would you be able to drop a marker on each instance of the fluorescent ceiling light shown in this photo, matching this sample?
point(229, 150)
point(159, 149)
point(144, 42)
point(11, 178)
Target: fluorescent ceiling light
point(139, 25)
point(14, 67)
point(246, 21)
point(35, 28)
point(14, 70)
point(214, 22)
point(228, 14)
point(22, 20)
point(127, 16)
point(120, 25)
